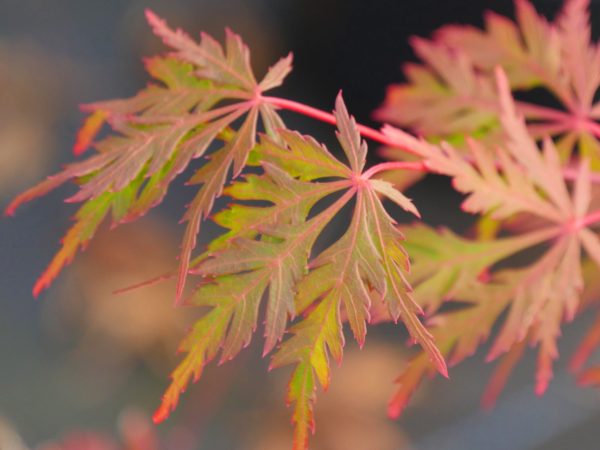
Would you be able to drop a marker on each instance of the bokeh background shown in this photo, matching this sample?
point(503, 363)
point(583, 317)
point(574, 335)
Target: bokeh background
point(81, 368)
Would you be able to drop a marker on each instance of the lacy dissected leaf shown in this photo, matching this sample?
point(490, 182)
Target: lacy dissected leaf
point(266, 252)
point(519, 177)
point(451, 94)
point(538, 298)
point(447, 97)
point(588, 345)
point(203, 91)
point(444, 264)
point(515, 178)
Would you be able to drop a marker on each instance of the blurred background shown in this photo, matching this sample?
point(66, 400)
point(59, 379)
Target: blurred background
point(81, 368)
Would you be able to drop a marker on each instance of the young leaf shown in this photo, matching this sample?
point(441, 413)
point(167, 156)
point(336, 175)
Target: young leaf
point(496, 182)
point(204, 90)
point(539, 297)
point(451, 94)
point(446, 98)
point(267, 251)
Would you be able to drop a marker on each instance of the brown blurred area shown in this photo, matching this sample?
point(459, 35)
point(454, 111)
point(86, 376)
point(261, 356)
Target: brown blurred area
point(139, 325)
point(351, 414)
point(35, 92)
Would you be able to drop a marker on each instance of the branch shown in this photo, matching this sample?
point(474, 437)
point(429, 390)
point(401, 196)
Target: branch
point(326, 117)
point(569, 173)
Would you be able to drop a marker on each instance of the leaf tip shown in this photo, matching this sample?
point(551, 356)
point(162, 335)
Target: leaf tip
point(395, 407)
point(267, 349)
point(442, 368)
point(42, 283)
point(88, 131)
point(540, 387)
point(10, 210)
point(161, 414)
point(152, 18)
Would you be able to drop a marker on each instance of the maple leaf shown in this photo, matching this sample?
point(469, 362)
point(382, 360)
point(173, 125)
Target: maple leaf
point(267, 250)
point(446, 98)
point(451, 94)
point(508, 180)
point(204, 90)
point(590, 342)
point(539, 297)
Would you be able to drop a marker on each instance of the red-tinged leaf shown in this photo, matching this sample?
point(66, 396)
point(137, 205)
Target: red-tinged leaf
point(546, 335)
point(502, 372)
point(450, 95)
point(544, 295)
point(71, 171)
point(277, 73)
point(288, 206)
point(159, 131)
point(435, 101)
point(546, 170)
point(228, 326)
point(231, 66)
point(590, 377)
point(87, 221)
point(580, 56)
point(495, 182)
point(531, 289)
point(239, 263)
point(301, 156)
point(349, 136)
point(213, 177)
point(318, 335)
point(86, 134)
point(408, 382)
point(530, 49)
point(394, 260)
point(387, 189)
point(590, 343)
point(285, 258)
point(158, 183)
point(268, 246)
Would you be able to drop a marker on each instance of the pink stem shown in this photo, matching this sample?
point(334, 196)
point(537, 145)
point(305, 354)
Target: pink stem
point(396, 165)
point(367, 132)
point(323, 116)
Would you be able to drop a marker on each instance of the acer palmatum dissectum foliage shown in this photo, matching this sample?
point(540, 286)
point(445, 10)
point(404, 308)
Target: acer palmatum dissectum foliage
point(270, 253)
point(516, 178)
point(205, 90)
point(207, 94)
point(159, 132)
point(451, 94)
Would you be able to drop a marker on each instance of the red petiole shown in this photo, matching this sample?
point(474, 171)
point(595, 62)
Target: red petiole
point(569, 173)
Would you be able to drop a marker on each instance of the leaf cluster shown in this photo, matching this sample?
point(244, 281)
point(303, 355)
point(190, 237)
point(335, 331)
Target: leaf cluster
point(526, 171)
